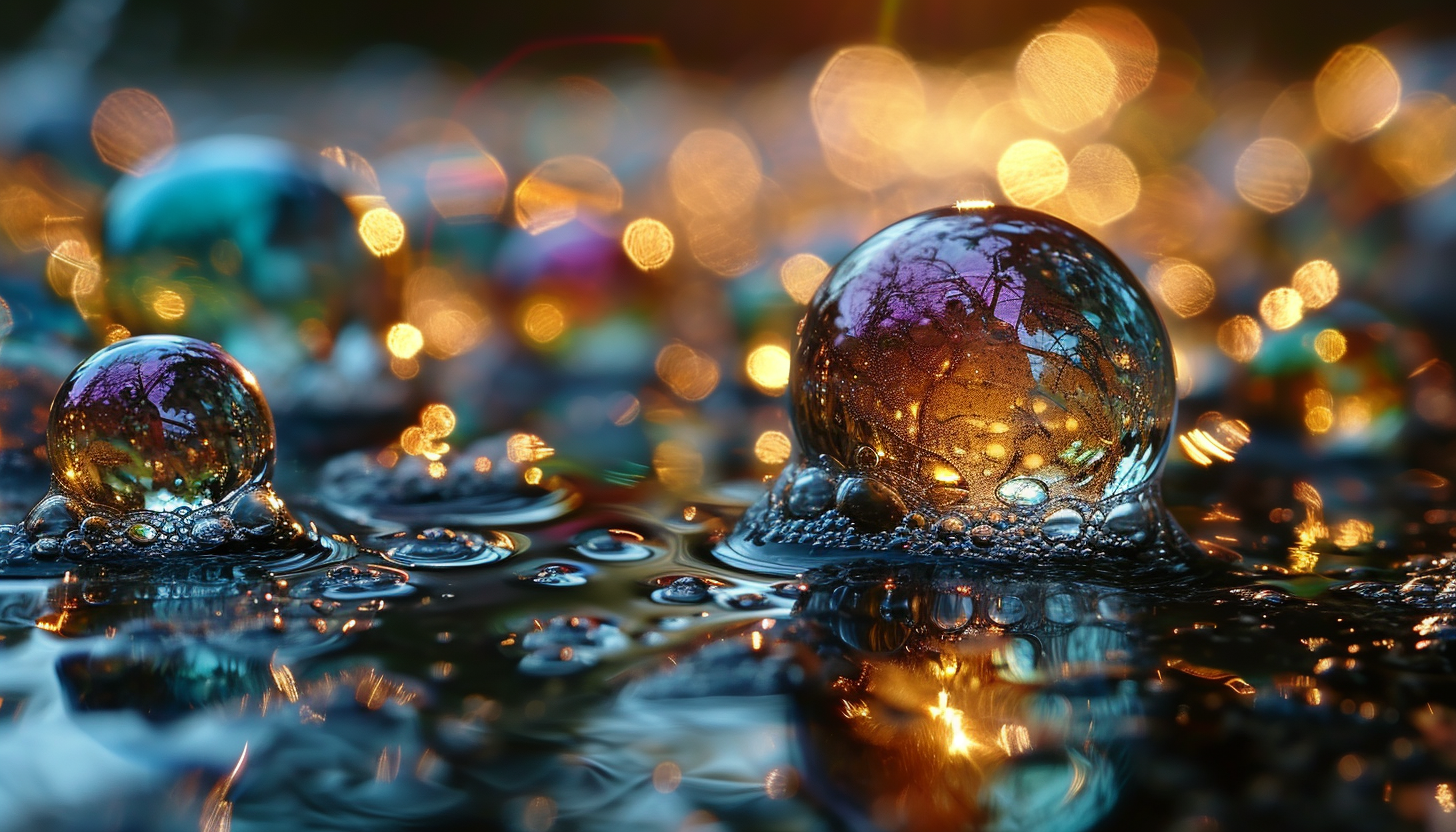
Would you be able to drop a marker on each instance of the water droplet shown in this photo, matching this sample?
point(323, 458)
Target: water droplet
point(1000, 340)
point(1022, 491)
point(557, 574)
point(870, 504)
point(358, 583)
point(811, 494)
point(1062, 526)
point(683, 589)
point(440, 548)
point(569, 644)
point(156, 422)
point(612, 545)
point(1007, 610)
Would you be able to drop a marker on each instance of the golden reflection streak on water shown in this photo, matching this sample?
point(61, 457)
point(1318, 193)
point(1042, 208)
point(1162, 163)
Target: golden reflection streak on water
point(958, 740)
point(217, 810)
point(1356, 92)
point(1272, 174)
point(132, 131)
point(648, 243)
point(1065, 80)
point(1032, 171)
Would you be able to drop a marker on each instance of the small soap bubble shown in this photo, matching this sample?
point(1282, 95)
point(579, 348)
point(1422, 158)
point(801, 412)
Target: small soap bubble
point(683, 589)
point(556, 574)
point(159, 422)
point(358, 583)
point(440, 548)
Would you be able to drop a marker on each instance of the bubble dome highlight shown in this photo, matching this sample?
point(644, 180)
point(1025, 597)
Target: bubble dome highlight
point(983, 377)
point(160, 445)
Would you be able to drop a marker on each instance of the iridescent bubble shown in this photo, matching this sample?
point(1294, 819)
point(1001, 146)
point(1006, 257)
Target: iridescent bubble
point(971, 376)
point(159, 423)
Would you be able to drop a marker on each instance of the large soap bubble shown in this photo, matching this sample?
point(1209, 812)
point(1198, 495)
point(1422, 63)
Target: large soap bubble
point(986, 374)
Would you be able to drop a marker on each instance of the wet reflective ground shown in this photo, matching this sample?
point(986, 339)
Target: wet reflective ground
point(605, 671)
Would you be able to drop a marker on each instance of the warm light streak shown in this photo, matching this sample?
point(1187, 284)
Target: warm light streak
point(958, 740)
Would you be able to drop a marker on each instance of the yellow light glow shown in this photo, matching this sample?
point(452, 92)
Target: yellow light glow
point(527, 447)
point(1319, 419)
point(773, 447)
point(648, 243)
point(404, 340)
point(727, 245)
point(532, 475)
point(690, 374)
point(169, 305)
point(116, 332)
point(1032, 171)
point(958, 739)
point(132, 131)
point(562, 189)
point(1418, 148)
point(1187, 289)
point(1102, 184)
point(1272, 174)
point(1330, 345)
point(973, 204)
point(1356, 92)
point(1444, 798)
point(382, 231)
point(1352, 533)
point(801, 276)
point(436, 469)
point(72, 270)
point(437, 421)
point(1281, 308)
point(1317, 283)
point(543, 322)
point(1240, 338)
point(1065, 80)
point(482, 465)
point(678, 464)
point(768, 368)
point(1128, 42)
point(714, 172)
point(867, 104)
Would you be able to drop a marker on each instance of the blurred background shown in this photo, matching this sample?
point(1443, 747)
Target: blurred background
point(590, 229)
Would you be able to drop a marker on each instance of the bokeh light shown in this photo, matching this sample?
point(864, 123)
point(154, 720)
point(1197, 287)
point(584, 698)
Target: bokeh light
point(1272, 174)
point(1240, 338)
point(1102, 184)
point(1356, 92)
point(801, 275)
point(562, 189)
point(1065, 80)
point(648, 243)
point(768, 368)
point(1031, 172)
point(1317, 283)
point(1281, 308)
point(132, 130)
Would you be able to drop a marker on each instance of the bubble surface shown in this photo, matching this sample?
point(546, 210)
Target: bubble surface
point(159, 422)
point(995, 355)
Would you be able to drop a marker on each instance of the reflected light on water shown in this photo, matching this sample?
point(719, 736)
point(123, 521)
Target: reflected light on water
point(1356, 92)
point(1065, 80)
point(1032, 171)
point(132, 131)
point(1272, 174)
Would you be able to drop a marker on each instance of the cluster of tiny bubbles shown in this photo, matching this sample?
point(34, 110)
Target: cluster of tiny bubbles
point(555, 573)
point(567, 644)
point(442, 548)
point(683, 589)
point(982, 381)
point(612, 545)
point(162, 447)
point(371, 488)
